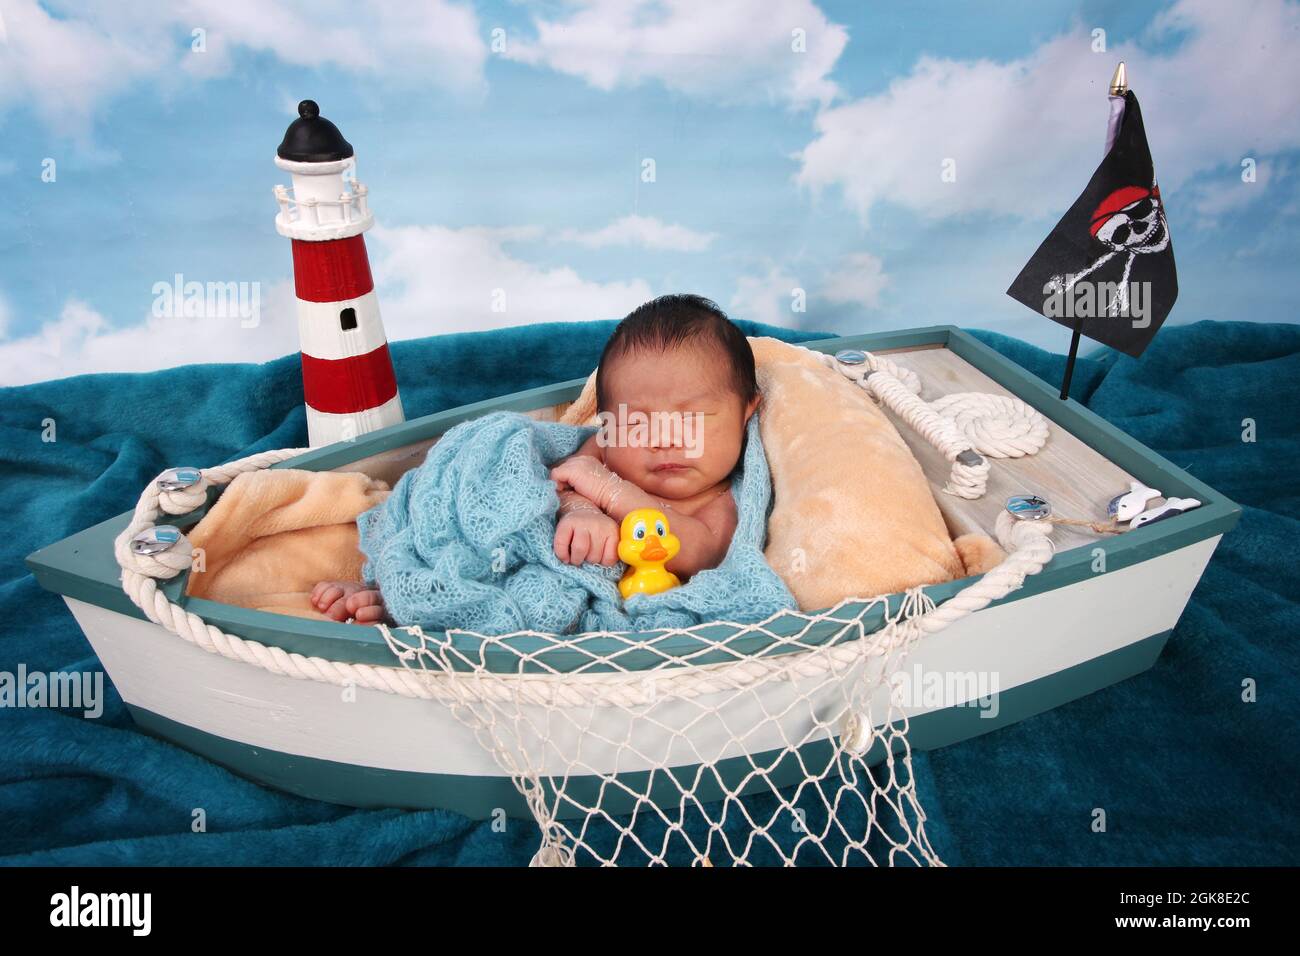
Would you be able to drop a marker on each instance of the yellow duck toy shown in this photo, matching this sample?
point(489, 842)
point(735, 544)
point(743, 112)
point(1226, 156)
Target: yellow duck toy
point(645, 546)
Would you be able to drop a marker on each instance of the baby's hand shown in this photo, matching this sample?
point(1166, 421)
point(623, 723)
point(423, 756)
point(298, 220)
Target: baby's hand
point(589, 478)
point(587, 536)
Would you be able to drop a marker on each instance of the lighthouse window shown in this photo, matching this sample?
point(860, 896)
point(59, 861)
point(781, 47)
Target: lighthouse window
point(348, 319)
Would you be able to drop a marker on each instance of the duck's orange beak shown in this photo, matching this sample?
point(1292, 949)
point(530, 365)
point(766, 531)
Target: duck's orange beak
point(654, 549)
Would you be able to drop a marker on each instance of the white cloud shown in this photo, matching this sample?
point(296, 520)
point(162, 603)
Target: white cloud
point(767, 298)
point(432, 279)
point(436, 279)
point(1025, 135)
point(645, 231)
point(858, 280)
point(82, 340)
point(61, 66)
point(1227, 194)
point(434, 40)
point(66, 63)
point(729, 50)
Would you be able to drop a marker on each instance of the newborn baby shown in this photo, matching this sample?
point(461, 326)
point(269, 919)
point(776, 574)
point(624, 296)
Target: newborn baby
point(675, 389)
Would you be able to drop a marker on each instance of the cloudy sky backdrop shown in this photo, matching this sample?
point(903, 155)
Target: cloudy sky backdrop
point(795, 145)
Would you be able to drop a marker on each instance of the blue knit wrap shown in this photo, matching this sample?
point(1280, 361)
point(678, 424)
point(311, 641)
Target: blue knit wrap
point(466, 540)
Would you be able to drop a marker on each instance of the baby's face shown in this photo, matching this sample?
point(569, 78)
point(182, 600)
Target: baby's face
point(701, 421)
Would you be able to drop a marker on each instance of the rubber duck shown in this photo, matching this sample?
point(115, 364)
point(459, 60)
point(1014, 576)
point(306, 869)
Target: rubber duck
point(645, 546)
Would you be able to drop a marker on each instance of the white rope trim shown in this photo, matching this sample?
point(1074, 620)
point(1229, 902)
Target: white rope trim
point(1028, 543)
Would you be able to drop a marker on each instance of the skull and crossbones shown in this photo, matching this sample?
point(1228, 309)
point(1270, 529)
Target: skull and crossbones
point(1129, 222)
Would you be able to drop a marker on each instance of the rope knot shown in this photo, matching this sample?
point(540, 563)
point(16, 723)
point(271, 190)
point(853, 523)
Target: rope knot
point(185, 500)
point(153, 563)
point(996, 425)
point(1015, 534)
point(181, 490)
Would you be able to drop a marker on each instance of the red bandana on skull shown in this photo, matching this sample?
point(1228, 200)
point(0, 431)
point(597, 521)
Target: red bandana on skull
point(1131, 220)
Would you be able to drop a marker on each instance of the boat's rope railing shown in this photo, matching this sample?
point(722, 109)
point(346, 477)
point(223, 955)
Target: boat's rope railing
point(1028, 544)
point(811, 653)
point(956, 425)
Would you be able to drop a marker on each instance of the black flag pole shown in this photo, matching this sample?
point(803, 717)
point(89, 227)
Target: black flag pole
point(1116, 93)
point(1069, 359)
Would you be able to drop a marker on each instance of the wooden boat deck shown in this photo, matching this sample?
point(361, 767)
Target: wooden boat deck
point(1075, 479)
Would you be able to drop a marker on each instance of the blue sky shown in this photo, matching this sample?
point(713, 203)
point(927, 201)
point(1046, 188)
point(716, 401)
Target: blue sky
point(520, 169)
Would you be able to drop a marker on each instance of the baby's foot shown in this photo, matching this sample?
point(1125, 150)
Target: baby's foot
point(341, 600)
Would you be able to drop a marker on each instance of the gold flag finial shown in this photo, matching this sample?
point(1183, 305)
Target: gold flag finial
point(1119, 82)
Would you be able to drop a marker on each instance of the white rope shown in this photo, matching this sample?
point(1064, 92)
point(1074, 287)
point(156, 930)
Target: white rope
point(1007, 432)
point(1029, 547)
point(140, 574)
point(999, 426)
point(966, 427)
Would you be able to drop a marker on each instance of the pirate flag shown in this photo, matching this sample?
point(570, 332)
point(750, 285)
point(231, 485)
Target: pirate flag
point(1107, 269)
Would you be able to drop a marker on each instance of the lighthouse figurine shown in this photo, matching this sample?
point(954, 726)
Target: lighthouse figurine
point(347, 373)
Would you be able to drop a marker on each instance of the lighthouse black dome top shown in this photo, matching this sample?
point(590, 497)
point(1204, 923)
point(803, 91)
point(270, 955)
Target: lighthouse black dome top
point(311, 138)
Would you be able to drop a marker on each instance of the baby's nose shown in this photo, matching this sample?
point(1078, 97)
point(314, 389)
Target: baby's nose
point(666, 436)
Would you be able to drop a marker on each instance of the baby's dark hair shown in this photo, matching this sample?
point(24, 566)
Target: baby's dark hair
point(674, 320)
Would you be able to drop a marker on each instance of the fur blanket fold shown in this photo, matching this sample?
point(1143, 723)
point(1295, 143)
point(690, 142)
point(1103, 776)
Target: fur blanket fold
point(273, 534)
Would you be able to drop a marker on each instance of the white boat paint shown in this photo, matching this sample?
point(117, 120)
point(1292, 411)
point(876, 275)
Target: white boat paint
point(1019, 641)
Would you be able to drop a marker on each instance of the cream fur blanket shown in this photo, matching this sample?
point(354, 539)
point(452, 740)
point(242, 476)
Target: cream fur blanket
point(852, 514)
point(274, 533)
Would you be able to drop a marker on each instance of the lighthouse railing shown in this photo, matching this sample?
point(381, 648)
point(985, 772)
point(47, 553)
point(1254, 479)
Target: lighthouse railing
point(350, 207)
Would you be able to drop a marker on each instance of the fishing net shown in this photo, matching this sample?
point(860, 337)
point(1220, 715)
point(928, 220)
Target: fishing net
point(776, 743)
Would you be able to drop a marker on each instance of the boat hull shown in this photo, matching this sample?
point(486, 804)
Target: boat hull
point(372, 749)
point(1098, 613)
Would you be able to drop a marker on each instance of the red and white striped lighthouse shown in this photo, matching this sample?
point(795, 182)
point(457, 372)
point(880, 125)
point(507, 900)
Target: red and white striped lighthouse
point(347, 373)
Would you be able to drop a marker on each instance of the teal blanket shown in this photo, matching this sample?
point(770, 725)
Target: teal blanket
point(466, 541)
point(1187, 771)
